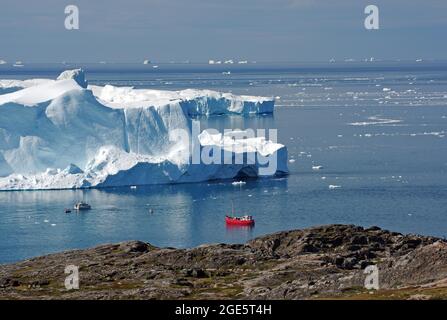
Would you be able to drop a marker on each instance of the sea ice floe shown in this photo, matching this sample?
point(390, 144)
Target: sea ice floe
point(439, 134)
point(375, 121)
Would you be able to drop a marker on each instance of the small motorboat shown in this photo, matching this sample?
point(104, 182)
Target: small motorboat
point(82, 206)
point(67, 210)
point(240, 221)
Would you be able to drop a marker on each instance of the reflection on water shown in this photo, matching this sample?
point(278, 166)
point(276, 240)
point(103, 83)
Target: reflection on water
point(34, 222)
point(234, 234)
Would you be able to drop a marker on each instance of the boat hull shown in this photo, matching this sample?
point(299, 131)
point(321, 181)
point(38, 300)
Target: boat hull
point(237, 222)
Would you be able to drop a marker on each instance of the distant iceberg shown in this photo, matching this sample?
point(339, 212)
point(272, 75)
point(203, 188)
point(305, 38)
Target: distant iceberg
point(18, 64)
point(93, 136)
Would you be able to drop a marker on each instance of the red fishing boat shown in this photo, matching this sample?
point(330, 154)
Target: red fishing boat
point(239, 221)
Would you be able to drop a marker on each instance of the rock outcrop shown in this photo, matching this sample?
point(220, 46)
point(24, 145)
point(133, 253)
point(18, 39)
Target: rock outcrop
point(319, 262)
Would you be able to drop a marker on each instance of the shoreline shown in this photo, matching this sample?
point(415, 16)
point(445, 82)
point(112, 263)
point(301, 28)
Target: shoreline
point(314, 263)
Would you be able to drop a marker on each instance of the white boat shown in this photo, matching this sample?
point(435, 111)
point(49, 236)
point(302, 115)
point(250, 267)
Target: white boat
point(82, 206)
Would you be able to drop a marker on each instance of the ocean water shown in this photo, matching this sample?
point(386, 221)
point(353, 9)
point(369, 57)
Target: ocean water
point(377, 129)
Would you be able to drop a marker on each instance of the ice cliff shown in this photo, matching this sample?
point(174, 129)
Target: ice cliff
point(65, 134)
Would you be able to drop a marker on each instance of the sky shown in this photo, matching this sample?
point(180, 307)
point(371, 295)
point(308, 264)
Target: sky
point(199, 30)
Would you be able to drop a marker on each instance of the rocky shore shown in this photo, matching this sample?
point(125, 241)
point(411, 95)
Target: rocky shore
point(315, 263)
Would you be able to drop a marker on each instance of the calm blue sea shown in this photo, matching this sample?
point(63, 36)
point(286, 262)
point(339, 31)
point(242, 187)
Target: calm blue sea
point(377, 129)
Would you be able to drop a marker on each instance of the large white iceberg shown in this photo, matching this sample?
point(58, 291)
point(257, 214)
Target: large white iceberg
point(94, 136)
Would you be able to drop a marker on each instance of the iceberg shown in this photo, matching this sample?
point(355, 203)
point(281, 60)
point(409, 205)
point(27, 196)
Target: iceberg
point(193, 102)
point(64, 133)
